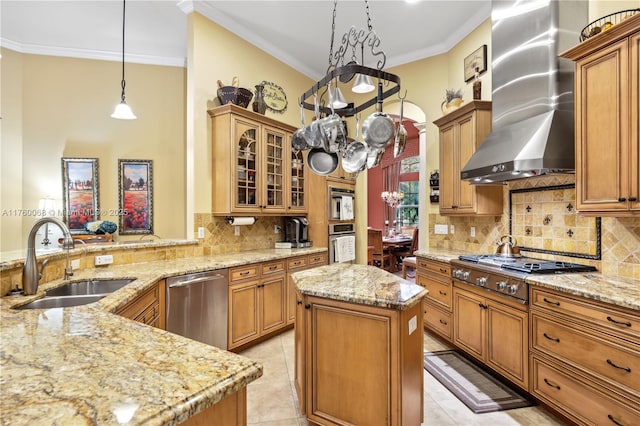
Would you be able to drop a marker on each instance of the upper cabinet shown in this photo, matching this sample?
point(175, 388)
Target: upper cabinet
point(607, 116)
point(461, 132)
point(255, 170)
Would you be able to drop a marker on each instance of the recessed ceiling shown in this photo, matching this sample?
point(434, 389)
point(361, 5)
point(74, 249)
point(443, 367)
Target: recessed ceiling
point(296, 32)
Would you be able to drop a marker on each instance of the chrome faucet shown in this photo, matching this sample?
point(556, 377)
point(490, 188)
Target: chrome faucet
point(30, 273)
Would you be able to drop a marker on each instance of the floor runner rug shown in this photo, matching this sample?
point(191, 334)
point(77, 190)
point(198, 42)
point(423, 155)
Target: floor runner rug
point(475, 387)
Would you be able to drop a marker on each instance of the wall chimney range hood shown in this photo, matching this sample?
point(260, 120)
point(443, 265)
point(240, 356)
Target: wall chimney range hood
point(532, 96)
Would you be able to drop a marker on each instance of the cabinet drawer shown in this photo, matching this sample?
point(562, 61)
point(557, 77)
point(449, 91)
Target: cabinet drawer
point(137, 307)
point(620, 323)
point(588, 350)
point(273, 267)
point(439, 292)
point(244, 272)
point(437, 319)
point(578, 398)
point(318, 259)
point(296, 263)
point(443, 270)
point(150, 315)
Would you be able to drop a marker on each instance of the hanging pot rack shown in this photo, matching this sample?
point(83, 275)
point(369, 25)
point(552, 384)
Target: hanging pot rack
point(343, 71)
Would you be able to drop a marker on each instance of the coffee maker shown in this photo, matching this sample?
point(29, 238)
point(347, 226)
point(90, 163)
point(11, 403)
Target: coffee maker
point(295, 232)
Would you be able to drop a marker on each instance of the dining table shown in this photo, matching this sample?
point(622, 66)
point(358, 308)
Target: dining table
point(393, 243)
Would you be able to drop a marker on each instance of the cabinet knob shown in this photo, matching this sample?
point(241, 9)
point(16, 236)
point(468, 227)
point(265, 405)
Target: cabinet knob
point(633, 199)
point(622, 199)
point(299, 302)
point(307, 306)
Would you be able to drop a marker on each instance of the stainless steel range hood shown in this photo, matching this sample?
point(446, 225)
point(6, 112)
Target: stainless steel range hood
point(533, 111)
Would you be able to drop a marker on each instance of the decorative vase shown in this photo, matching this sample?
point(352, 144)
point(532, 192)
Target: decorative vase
point(477, 86)
point(259, 105)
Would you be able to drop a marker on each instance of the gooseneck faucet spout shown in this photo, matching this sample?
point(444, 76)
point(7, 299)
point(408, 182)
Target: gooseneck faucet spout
point(30, 273)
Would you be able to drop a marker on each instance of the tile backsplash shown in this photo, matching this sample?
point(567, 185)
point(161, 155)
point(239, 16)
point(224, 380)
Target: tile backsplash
point(620, 237)
point(220, 236)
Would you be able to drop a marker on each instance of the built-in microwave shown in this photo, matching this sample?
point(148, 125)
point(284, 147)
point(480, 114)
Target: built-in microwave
point(341, 204)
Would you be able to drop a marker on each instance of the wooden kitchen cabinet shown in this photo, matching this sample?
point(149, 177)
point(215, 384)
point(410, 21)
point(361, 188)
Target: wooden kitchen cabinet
point(349, 349)
point(296, 264)
point(253, 165)
point(256, 302)
point(494, 330)
point(436, 278)
point(461, 132)
point(607, 113)
point(584, 350)
point(148, 308)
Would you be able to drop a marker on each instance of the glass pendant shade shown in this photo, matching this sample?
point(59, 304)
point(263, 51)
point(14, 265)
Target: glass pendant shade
point(337, 100)
point(123, 112)
point(362, 84)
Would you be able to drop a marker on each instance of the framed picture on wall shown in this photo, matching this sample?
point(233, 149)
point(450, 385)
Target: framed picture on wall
point(135, 196)
point(478, 59)
point(80, 193)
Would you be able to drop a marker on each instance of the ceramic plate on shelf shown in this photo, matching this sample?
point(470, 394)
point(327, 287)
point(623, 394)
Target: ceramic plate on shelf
point(274, 96)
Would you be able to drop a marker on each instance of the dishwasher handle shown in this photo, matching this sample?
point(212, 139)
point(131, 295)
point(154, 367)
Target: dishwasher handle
point(197, 280)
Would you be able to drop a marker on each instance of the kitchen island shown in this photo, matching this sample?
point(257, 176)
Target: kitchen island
point(358, 346)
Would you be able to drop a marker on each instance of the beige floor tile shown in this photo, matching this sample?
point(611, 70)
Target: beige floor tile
point(272, 400)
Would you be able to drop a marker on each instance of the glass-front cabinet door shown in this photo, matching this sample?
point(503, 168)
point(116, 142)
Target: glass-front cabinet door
point(298, 166)
point(274, 185)
point(248, 173)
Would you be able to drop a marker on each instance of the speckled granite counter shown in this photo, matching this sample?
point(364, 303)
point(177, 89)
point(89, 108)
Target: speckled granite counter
point(361, 284)
point(623, 292)
point(84, 365)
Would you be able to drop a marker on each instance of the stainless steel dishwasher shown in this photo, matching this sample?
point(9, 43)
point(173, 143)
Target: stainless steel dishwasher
point(197, 306)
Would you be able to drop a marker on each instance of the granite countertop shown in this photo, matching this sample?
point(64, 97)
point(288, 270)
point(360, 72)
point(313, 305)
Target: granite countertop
point(360, 284)
point(85, 365)
point(618, 291)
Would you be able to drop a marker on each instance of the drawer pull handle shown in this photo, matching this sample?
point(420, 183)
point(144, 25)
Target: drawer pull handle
point(483, 306)
point(271, 268)
point(551, 384)
point(611, 363)
point(245, 273)
point(555, 339)
point(551, 302)
point(443, 322)
point(297, 263)
point(625, 323)
point(614, 421)
point(444, 271)
point(443, 293)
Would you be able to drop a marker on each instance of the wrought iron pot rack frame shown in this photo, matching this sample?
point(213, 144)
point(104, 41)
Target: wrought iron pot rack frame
point(347, 70)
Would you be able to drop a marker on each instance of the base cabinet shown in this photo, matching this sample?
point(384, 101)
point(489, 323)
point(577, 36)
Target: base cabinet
point(585, 351)
point(230, 411)
point(148, 308)
point(493, 331)
point(296, 264)
point(358, 364)
point(436, 278)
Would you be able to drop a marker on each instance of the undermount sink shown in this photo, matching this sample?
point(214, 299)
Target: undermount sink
point(88, 287)
point(76, 293)
point(61, 302)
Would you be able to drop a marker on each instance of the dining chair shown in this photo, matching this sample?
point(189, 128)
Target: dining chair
point(408, 262)
point(403, 252)
point(407, 230)
point(381, 257)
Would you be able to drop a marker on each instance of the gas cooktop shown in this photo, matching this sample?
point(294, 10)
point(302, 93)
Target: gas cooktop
point(527, 265)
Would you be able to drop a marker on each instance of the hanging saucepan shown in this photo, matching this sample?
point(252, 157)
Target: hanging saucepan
point(313, 133)
point(321, 162)
point(298, 141)
point(374, 157)
point(507, 248)
point(378, 129)
point(354, 157)
point(331, 127)
point(401, 134)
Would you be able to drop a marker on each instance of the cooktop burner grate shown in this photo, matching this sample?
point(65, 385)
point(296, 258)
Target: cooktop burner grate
point(527, 264)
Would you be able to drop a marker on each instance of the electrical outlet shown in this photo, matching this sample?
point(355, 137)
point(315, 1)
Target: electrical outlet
point(473, 231)
point(201, 232)
point(107, 259)
point(277, 229)
point(452, 229)
point(75, 264)
point(440, 229)
point(236, 231)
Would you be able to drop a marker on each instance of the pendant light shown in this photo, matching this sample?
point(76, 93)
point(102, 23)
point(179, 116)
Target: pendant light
point(122, 110)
